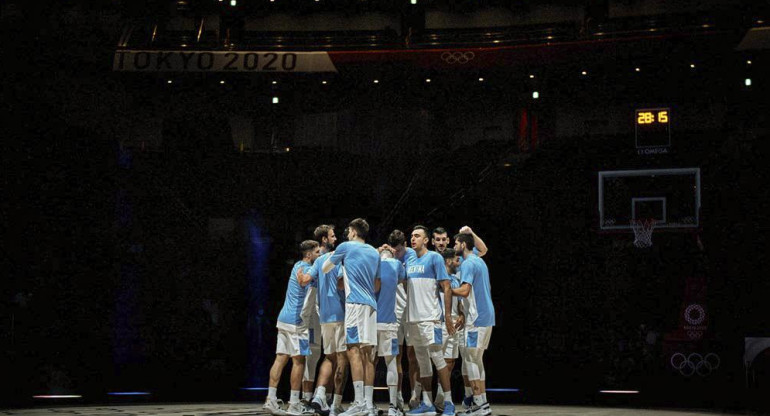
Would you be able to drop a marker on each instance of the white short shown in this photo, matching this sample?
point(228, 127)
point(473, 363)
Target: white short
point(333, 335)
point(387, 342)
point(360, 324)
point(292, 343)
point(477, 337)
point(451, 344)
point(423, 334)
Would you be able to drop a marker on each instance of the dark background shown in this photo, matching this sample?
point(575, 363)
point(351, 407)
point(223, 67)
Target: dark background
point(160, 266)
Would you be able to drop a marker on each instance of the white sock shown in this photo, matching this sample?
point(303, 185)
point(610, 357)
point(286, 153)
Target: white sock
point(358, 392)
point(320, 392)
point(337, 400)
point(447, 396)
point(393, 393)
point(427, 397)
point(272, 393)
point(439, 394)
point(294, 398)
point(468, 391)
point(369, 396)
point(307, 396)
point(416, 390)
point(478, 400)
point(484, 397)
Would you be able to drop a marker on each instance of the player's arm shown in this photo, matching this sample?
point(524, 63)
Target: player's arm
point(303, 278)
point(335, 258)
point(446, 287)
point(463, 291)
point(328, 265)
point(460, 323)
point(477, 241)
point(377, 280)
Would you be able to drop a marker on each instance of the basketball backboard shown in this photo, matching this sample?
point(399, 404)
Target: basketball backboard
point(669, 196)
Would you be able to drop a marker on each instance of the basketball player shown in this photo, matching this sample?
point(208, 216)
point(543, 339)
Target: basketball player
point(392, 274)
point(425, 271)
point(331, 307)
point(360, 276)
point(293, 340)
point(480, 318)
point(397, 245)
point(440, 241)
point(451, 343)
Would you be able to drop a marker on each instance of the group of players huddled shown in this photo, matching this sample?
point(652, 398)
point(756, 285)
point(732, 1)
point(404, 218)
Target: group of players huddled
point(364, 302)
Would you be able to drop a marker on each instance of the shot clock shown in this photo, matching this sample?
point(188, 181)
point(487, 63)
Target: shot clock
point(653, 128)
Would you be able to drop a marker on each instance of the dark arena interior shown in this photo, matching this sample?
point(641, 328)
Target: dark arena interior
point(162, 162)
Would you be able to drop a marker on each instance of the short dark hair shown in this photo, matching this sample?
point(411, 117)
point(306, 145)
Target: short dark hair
point(467, 239)
point(423, 228)
point(449, 253)
point(322, 231)
point(438, 230)
point(396, 238)
point(361, 227)
point(307, 246)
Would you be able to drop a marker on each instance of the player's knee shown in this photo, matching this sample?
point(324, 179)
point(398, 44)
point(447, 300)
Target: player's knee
point(422, 355)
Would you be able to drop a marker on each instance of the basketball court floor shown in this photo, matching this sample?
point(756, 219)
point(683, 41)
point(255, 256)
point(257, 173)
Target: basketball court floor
point(237, 409)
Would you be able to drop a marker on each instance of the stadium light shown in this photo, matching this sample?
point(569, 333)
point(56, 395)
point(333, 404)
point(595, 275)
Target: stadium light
point(275, 100)
point(531, 76)
point(376, 81)
point(535, 95)
point(637, 69)
point(233, 3)
point(427, 80)
point(413, 1)
point(481, 79)
point(748, 62)
point(747, 82)
point(584, 73)
point(275, 82)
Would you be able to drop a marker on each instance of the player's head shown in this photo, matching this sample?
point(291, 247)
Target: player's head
point(463, 242)
point(358, 228)
point(440, 239)
point(310, 250)
point(386, 254)
point(451, 260)
point(324, 235)
point(396, 241)
point(420, 237)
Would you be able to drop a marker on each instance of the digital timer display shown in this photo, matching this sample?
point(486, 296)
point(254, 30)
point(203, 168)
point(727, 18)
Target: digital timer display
point(653, 127)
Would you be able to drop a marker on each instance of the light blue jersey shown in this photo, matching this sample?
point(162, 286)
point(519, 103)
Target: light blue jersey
point(361, 264)
point(331, 301)
point(391, 272)
point(479, 310)
point(423, 274)
point(291, 313)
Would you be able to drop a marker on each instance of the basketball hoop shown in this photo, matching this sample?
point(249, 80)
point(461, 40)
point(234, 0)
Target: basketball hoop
point(643, 232)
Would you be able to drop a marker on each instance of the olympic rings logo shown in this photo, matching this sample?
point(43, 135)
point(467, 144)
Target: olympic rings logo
point(695, 363)
point(700, 314)
point(457, 57)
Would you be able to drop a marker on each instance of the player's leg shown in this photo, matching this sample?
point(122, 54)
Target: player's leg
point(354, 318)
point(340, 379)
point(296, 407)
point(309, 376)
point(368, 356)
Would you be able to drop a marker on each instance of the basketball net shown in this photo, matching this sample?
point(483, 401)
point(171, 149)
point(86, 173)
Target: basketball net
point(643, 232)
